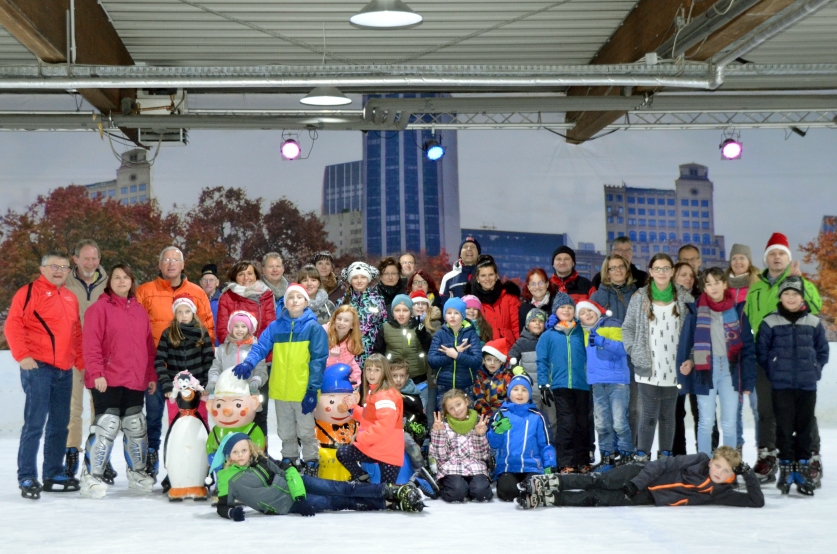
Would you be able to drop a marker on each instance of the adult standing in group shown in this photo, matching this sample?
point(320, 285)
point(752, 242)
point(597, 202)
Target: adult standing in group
point(622, 246)
point(537, 293)
point(211, 285)
point(86, 281)
point(43, 330)
point(566, 278)
point(372, 313)
point(500, 301)
point(690, 254)
point(157, 297)
point(390, 283)
point(454, 281)
point(421, 280)
point(324, 262)
point(408, 265)
point(119, 352)
point(741, 273)
point(274, 275)
point(762, 299)
point(319, 303)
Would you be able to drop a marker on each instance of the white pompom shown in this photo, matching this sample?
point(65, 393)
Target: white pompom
point(208, 481)
point(608, 313)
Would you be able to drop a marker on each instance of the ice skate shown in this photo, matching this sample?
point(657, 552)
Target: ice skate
point(71, 463)
point(30, 488)
point(140, 481)
point(91, 486)
point(426, 483)
point(641, 457)
point(607, 463)
point(61, 483)
point(311, 468)
point(786, 476)
point(404, 498)
point(815, 468)
point(802, 477)
point(766, 466)
point(534, 490)
point(153, 463)
point(110, 474)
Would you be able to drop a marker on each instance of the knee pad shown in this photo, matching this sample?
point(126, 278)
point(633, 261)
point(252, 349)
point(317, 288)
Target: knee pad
point(103, 432)
point(135, 438)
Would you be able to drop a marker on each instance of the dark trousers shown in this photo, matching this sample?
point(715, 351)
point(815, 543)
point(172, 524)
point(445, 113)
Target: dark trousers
point(333, 496)
point(794, 413)
point(656, 405)
point(507, 485)
point(572, 435)
point(155, 405)
point(766, 428)
point(679, 446)
point(633, 408)
point(456, 488)
point(261, 415)
point(351, 457)
point(119, 398)
point(600, 489)
point(46, 413)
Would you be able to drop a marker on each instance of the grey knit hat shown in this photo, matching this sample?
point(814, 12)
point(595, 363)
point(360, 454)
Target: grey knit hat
point(742, 249)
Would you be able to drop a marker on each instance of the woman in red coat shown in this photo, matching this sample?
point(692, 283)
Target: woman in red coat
point(500, 301)
point(246, 292)
point(119, 353)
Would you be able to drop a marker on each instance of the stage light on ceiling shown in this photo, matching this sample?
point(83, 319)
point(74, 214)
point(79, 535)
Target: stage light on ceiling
point(386, 14)
point(326, 96)
point(290, 149)
point(731, 149)
point(434, 150)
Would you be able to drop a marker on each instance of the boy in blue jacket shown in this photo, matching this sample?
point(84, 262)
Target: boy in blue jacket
point(609, 378)
point(792, 349)
point(519, 435)
point(455, 352)
point(562, 378)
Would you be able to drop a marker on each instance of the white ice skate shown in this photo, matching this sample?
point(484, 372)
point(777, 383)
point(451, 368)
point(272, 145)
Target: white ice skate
point(92, 487)
point(140, 481)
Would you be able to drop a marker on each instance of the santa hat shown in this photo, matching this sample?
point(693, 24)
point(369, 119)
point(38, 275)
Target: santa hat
point(590, 305)
point(240, 316)
point(472, 302)
point(498, 348)
point(296, 287)
point(419, 296)
point(777, 241)
point(184, 300)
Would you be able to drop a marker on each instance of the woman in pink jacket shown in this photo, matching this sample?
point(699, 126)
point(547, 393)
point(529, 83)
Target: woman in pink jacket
point(119, 353)
point(344, 340)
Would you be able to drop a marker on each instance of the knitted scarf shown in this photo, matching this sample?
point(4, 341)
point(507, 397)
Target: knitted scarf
point(666, 295)
point(487, 296)
point(703, 333)
point(463, 426)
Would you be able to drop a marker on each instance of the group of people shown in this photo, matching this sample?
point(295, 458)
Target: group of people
point(520, 386)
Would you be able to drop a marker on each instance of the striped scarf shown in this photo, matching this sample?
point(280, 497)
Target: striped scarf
point(703, 331)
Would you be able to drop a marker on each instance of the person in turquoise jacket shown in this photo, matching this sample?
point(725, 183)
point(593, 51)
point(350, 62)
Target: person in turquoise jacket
point(562, 378)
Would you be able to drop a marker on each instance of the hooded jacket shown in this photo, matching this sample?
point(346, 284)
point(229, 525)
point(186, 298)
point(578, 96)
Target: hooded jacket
point(608, 363)
point(372, 314)
point(792, 353)
point(523, 353)
point(157, 297)
point(229, 355)
point(117, 343)
point(263, 309)
point(562, 358)
point(458, 373)
point(525, 448)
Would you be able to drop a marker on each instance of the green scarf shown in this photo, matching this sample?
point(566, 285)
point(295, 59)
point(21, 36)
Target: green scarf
point(463, 426)
point(666, 295)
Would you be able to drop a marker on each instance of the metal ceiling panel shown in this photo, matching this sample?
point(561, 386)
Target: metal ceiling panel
point(812, 40)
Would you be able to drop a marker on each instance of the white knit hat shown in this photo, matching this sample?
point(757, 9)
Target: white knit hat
point(181, 300)
point(359, 268)
point(296, 287)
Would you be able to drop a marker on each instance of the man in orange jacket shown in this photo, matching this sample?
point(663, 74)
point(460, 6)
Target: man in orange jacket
point(44, 334)
point(157, 297)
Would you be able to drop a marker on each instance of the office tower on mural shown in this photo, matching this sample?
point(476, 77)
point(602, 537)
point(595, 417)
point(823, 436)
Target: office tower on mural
point(663, 220)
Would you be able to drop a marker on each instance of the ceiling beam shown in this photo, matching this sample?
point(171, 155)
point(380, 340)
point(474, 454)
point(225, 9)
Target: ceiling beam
point(643, 31)
point(40, 25)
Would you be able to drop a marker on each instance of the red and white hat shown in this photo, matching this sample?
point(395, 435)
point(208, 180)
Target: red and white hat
point(777, 241)
point(296, 287)
point(590, 305)
point(181, 300)
point(498, 348)
point(241, 316)
point(419, 296)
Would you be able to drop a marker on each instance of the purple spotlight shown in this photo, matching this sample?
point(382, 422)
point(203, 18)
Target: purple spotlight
point(731, 149)
point(290, 149)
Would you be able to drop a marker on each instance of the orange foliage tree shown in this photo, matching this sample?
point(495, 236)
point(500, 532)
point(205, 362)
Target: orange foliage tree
point(823, 252)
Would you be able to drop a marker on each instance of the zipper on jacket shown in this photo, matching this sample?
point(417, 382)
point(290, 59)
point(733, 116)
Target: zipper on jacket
point(793, 331)
point(49, 332)
point(455, 335)
point(570, 360)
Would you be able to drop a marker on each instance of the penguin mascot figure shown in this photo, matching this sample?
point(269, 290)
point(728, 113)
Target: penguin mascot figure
point(185, 454)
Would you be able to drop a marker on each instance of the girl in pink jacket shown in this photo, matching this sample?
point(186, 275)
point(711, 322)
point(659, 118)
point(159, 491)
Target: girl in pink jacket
point(344, 340)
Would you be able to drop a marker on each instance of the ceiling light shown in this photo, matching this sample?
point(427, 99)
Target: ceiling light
point(386, 14)
point(434, 150)
point(326, 96)
point(290, 149)
point(731, 149)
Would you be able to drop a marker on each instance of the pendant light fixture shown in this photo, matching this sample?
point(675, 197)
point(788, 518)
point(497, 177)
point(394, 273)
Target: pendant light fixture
point(326, 96)
point(386, 14)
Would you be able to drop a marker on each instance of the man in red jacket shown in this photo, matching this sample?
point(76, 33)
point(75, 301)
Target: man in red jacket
point(44, 334)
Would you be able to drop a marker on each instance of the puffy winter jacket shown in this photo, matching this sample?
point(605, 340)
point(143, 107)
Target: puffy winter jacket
point(381, 433)
point(458, 373)
point(792, 354)
point(503, 313)
point(43, 323)
point(490, 390)
point(454, 281)
point(157, 296)
point(409, 342)
point(607, 363)
point(562, 358)
point(264, 310)
point(229, 355)
point(300, 350)
point(523, 354)
point(343, 357)
point(615, 299)
point(525, 448)
point(372, 314)
point(118, 344)
point(579, 288)
point(457, 454)
point(763, 297)
point(186, 356)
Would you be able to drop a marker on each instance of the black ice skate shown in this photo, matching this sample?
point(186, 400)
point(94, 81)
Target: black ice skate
point(802, 477)
point(404, 498)
point(61, 483)
point(786, 476)
point(766, 466)
point(30, 488)
point(71, 463)
point(110, 474)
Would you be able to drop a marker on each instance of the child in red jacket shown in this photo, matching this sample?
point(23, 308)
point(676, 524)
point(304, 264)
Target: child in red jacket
point(380, 411)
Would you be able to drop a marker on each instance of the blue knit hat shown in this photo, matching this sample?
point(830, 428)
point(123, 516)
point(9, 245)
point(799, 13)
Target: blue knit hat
point(561, 299)
point(401, 299)
point(521, 378)
point(457, 304)
point(225, 448)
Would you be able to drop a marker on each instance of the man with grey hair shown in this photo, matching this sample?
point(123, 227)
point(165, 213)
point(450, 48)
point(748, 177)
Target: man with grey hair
point(624, 247)
point(44, 334)
point(273, 274)
point(87, 281)
point(157, 297)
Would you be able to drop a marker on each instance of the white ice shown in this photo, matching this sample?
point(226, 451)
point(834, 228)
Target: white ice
point(130, 522)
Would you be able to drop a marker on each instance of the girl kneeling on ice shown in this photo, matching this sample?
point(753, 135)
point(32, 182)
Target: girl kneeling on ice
point(251, 478)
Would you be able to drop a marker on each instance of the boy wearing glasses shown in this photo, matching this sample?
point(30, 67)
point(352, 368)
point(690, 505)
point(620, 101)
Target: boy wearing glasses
point(44, 334)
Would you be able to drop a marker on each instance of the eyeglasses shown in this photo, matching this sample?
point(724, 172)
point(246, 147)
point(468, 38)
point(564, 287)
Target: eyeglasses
point(616, 268)
point(661, 270)
point(419, 282)
point(536, 285)
point(172, 260)
point(389, 274)
point(59, 267)
point(689, 261)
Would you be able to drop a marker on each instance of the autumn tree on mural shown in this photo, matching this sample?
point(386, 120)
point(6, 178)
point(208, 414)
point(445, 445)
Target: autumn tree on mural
point(823, 253)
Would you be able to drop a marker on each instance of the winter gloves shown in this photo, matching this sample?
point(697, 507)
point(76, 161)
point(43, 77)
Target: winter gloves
point(235, 513)
point(546, 396)
point(597, 340)
point(254, 387)
point(501, 425)
point(303, 508)
point(243, 370)
point(741, 468)
point(417, 430)
point(309, 402)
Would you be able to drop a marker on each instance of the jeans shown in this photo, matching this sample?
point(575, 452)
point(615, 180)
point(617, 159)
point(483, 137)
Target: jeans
point(48, 391)
point(723, 391)
point(754, 403)
point(610, 410)
point(656, 404)
point(333, 496)
point(155, 404)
